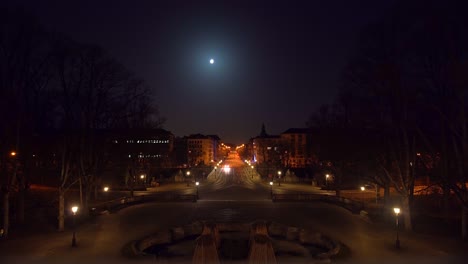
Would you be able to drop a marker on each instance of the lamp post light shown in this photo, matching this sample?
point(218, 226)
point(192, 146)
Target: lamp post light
point(196, 184)
point(271, 189)
point(105, 189)
point(188, 174)
point(74, 210)
point(363, 198)
point(279, 178)
point(326, 179)
point(397, 212)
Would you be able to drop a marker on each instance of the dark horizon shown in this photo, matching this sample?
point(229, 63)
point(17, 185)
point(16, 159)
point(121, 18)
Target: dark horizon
point(274, 64)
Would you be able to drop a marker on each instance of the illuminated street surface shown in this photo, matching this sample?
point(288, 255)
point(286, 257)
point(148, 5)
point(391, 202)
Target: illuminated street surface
point(237, 196)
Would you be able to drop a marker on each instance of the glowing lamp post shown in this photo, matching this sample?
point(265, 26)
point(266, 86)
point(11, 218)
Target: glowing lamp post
point(105, 189)
point(196, 184)
point(74, 209)
point(188, 175)
point(271, 189)
point(326, 179)
point(279, 178)
point(363, 198)
point(397, 212)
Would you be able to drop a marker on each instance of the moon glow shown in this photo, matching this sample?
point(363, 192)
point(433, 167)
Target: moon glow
point(211, 61)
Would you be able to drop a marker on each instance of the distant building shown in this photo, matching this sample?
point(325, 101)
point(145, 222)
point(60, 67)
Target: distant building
point(202, 149)
point(154, 145)
point(297, 152)
point(266, 148)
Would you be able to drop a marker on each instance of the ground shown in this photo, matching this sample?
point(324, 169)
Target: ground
point(238, 196)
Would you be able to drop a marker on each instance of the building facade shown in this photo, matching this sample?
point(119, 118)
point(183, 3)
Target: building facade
point(267, 149)
point(202, 149)
point(154, 145)
point(297, 142)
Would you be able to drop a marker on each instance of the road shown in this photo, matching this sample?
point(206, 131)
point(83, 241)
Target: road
point(234, 196)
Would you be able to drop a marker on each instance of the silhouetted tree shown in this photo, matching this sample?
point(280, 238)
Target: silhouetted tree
point(23, 75)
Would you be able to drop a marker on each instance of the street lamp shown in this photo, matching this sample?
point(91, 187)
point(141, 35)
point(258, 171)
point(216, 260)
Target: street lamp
point(13, 153)
point(271, 189)
point(106, 189)
point(188, 174)
point(196, 184)
point(397, 212)
point(74, 210)
point(363, 198)
point(279, 178)
point(326, 179)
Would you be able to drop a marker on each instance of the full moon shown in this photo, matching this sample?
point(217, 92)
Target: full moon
point(211, 61)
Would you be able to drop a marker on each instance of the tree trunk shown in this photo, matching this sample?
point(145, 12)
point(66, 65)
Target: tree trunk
point(21, 198)
point(338, 182)
point(377, 193)
point(95, 192)
point(6, 213)
point(407, 213)
point(81, 193)
point(446, 202)
point(61, 212)
point(87, 196)
point(464, 226)
point(386, 196)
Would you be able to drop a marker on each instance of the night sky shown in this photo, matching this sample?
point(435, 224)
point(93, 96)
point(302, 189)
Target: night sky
point(275, 63)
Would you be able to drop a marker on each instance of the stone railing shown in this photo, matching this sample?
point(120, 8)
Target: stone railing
point(354, 206)
point(119, 203)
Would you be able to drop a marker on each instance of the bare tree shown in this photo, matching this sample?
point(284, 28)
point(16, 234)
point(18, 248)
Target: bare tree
point(23, 75)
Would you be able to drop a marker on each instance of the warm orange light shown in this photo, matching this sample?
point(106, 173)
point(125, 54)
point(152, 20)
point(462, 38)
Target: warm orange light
point(12, 153)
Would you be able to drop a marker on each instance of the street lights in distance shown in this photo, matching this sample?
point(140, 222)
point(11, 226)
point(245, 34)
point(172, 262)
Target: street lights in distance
point(74, 209)
point(396, 210)
point(271, 189)
point(279, 178)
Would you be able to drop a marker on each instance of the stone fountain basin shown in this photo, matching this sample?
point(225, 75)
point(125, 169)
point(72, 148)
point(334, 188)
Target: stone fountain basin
point(289, 243)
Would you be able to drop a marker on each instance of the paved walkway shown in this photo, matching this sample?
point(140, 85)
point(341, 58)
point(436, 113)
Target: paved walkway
point(103, 239)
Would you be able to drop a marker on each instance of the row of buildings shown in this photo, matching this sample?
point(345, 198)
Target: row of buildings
point(291, 149)
point(163, 149)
